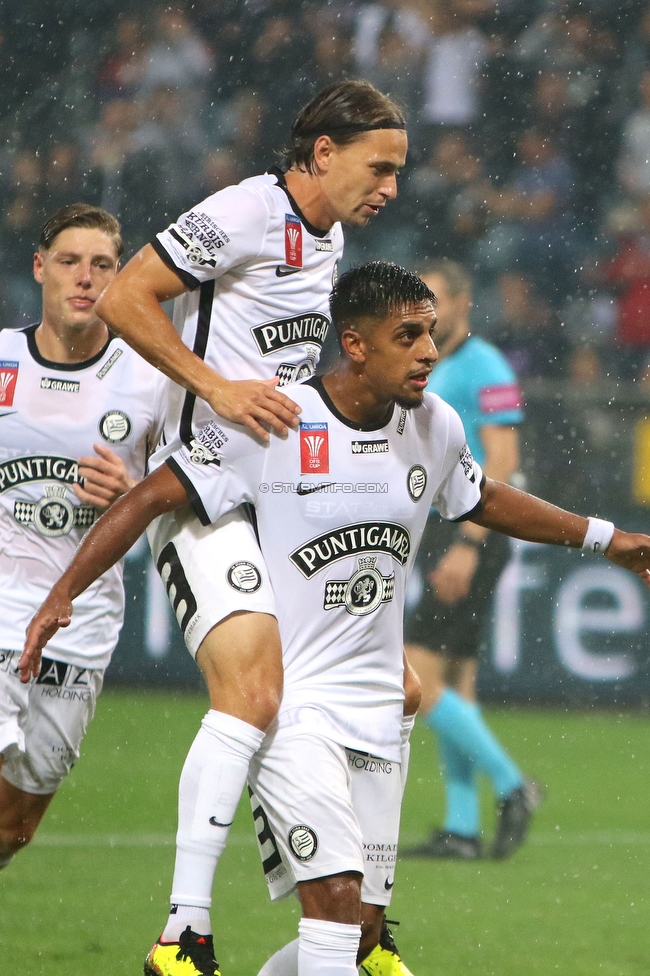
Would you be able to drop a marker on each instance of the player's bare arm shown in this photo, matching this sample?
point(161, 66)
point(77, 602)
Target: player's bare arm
point(523, 516)
point(131, 306)
point(104, 478)
point(452, 577)
point(108, 540)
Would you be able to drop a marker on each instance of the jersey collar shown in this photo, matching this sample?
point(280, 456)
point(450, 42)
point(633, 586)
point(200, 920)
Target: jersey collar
point(282, 183)
point(30, 333)
point(316, 383)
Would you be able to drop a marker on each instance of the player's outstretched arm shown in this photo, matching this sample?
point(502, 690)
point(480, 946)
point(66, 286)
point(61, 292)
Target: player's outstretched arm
point(523, 516)
point(108, 540)
point(131, 306)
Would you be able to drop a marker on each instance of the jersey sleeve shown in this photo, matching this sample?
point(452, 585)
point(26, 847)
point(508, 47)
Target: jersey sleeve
point(460, 490)
point(499, 396)
point(220, 233)
point(219, 470)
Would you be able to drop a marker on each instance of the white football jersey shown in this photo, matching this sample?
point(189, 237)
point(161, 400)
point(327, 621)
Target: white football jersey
point(340, 513)
point(51, 414)
point(260, 276)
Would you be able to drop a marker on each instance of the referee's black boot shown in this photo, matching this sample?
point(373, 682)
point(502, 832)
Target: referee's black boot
point(446, 844)
point(514, 816)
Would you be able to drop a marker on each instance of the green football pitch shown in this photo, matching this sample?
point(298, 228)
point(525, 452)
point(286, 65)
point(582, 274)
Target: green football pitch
point(90, 895)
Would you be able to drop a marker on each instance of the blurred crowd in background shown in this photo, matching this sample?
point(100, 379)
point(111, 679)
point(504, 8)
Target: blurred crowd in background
point(529, 127)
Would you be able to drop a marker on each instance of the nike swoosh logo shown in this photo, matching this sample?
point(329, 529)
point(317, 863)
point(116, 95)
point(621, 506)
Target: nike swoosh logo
point(285, 272)
point(215, 823)
point(310, 489)
point(7, 413)
point(389, 884)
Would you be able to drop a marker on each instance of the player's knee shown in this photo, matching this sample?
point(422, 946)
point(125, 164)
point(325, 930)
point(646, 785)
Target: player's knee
point(15, 836)
point(264, 705)
point(336, 898)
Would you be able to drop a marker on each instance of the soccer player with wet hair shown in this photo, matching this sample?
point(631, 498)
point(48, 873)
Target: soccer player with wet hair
point(250, 270)
point(80, 412)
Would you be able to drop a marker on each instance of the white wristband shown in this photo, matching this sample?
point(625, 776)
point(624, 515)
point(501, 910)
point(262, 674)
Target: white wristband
point(599, 535)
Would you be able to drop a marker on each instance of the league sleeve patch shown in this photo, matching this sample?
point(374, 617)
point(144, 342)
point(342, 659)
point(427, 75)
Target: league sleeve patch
point(204, 448)
point(467, 463)
point(200, 237)
point(8, 377)
point(494, 399)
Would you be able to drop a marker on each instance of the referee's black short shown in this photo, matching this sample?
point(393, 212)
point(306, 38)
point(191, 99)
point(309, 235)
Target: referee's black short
point(454, 629)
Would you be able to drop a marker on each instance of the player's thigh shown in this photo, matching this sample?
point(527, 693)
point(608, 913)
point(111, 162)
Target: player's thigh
point(376, 791)
point(61, 703)
point(305, 821)
point(210, 572)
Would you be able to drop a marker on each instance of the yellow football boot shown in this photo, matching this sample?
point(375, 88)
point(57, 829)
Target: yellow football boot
point(192, 955)
point(385, 960)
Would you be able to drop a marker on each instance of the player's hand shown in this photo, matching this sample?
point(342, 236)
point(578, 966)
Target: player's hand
point(55, 612)
point(253, 403)
point(105, 478)
point(631, 550)
point(452, 578)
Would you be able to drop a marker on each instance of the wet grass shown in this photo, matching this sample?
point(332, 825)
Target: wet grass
point(90, 895)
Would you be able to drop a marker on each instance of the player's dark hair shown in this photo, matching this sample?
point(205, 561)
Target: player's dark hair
point(81, 215)
point(343, 111)
point(457, 279)
point(375, 290)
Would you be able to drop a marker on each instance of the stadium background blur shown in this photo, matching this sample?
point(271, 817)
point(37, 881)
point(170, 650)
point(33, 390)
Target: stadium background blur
point(529, 162)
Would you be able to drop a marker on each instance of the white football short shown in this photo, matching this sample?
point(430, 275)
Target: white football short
point(321, 809)
point(42, 723)
point(209, 571)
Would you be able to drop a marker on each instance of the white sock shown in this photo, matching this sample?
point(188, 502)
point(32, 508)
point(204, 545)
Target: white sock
point(327, 948)
point(211, 785)
point(283, 963)
point(408, 721)
point(183, 915)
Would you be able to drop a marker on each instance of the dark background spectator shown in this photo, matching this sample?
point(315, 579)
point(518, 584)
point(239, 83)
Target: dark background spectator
point(529, 128)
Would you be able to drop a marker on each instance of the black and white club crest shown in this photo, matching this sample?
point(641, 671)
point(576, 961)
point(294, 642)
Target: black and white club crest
point(416, 482)
point(303, 842)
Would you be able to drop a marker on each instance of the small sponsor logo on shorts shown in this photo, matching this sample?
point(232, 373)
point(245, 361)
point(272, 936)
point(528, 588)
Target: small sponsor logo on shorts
point(416, 482)
point(380, 854)
point(358, 760)
point(389, 884)
point(245, 577)
point(303, 842)
point(115, 426)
